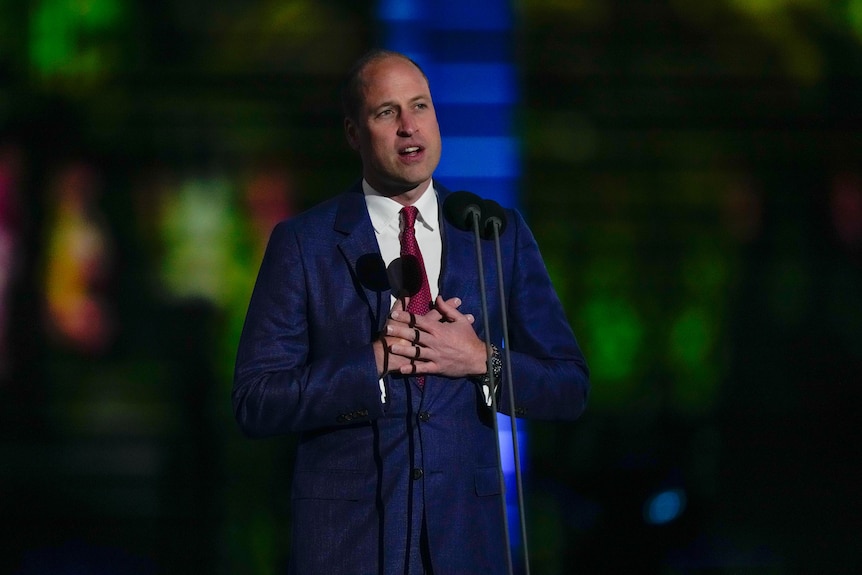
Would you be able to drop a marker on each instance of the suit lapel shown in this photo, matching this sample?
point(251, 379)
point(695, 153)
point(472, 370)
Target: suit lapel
point(459, 258)
point(362, 254)
point(459, 271)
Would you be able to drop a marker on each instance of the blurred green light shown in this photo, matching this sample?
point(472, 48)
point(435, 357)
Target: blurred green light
point(615, 333)
point(706, 274)
point(691, 339)
point(67, 36)
point(854, 16)
point(692, 351)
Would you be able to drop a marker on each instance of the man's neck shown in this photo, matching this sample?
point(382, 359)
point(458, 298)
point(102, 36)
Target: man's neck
point(403, 197)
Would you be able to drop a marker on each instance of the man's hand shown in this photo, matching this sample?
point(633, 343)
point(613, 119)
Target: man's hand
point(388, 362)
point(441, 342)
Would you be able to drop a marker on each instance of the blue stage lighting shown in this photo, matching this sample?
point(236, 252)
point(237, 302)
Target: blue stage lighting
point(664, 507)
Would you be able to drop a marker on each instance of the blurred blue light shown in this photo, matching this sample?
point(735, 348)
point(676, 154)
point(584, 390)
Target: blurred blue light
point(664, 507)
point(476, 119)
point(394, 10)
point(478, 157)
point(474, 83)
point(502, 190)
point(461, 15)
point(467, 50)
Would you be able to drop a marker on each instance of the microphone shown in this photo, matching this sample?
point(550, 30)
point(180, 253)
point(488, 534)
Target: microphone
point(405, 274)
point(493, 225)
point(464, 211)
point(493, 217)
point(371, 274)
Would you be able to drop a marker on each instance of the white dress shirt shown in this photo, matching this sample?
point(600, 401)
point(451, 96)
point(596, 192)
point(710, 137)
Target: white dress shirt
point(386, 219)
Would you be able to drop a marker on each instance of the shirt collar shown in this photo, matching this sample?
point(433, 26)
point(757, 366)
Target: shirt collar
point(386, 212)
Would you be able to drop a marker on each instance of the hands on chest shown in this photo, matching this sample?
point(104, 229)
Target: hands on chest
point(442, 342)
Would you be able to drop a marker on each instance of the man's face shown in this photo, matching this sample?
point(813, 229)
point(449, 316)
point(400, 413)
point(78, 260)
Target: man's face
point(396, 132)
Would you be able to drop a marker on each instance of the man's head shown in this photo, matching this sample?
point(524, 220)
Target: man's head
point(390, 120)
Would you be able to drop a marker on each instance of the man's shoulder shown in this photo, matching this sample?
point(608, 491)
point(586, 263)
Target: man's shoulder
point(325, 212)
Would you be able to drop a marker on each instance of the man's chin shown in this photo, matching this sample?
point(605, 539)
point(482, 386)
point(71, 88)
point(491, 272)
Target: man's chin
point(402, 186)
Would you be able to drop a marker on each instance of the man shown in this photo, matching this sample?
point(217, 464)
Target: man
point(396, 468)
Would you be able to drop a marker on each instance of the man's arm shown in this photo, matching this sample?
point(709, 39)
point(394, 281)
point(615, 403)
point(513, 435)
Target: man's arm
point(549, 372)
point(282, 383)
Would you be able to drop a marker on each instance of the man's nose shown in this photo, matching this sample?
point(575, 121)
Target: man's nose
point(406, 126)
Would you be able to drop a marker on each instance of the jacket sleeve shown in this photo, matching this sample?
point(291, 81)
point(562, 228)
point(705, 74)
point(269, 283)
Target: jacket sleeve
point(549, 374)
point(292, 371)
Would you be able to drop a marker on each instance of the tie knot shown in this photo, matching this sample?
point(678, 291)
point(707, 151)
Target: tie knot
point(410, 213)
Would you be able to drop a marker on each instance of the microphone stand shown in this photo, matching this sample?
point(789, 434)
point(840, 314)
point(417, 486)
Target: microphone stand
point(496, 224)
point(474, 216)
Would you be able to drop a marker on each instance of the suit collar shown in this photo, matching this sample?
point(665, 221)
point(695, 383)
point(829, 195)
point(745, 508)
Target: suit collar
point(351, 213)
point(459, 256)
point(361, 253)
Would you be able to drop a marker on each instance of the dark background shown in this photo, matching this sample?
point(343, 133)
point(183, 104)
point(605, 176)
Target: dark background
point(692, 174)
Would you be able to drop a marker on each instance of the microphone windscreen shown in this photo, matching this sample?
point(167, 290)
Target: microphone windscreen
point(460, 209)
point(405, 274)
point(493, 215)
point(371, 272)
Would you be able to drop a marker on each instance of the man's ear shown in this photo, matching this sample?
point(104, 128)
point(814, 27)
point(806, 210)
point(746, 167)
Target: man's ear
point(351, 134)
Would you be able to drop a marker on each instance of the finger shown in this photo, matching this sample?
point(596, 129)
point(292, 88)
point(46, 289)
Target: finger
point(398, 305)
point(417, 368)
point(411, 320)
point(453, 303)
point(404, 333)
point(447, 304)
point(397, 362)
point(396, 340)
point(391, 341)
point(416, 353)
point(449, 309)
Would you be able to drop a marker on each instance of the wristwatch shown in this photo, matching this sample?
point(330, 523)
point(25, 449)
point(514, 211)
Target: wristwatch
point(496, 368)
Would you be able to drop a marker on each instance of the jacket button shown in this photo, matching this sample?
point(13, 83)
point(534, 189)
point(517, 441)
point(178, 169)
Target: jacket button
point(424, 416)
point(418, 473)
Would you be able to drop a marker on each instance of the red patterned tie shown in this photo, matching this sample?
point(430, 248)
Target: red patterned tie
point(420, 302)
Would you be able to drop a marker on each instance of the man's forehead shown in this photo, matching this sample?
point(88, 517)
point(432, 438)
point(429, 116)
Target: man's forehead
point(395, 87)
point(392, 70)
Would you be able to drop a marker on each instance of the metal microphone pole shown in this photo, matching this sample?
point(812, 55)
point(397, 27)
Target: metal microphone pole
point(463, 210)
point(493, 386)
point(495, 217)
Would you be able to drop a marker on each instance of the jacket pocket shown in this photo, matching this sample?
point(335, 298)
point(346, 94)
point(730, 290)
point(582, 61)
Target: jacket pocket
point(335, 485)
point(487, 481)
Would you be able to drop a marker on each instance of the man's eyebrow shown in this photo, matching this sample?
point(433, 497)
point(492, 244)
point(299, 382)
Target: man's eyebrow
point(393, 103)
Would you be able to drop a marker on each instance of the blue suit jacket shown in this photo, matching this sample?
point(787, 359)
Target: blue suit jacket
point(366, 471)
